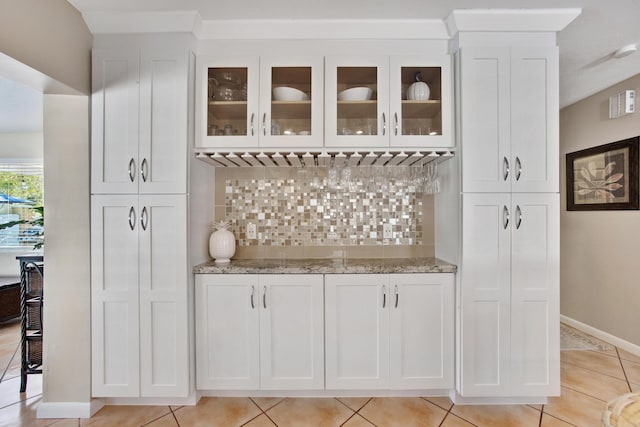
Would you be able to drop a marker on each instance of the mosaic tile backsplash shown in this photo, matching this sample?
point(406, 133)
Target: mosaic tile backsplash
point(313, 208)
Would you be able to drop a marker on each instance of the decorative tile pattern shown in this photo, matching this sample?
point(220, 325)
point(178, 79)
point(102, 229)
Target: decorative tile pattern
point(291, 211)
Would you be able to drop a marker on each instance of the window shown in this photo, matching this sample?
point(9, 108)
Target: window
point(21, 199)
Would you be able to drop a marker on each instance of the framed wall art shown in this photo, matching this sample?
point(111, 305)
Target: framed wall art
point(604, 177)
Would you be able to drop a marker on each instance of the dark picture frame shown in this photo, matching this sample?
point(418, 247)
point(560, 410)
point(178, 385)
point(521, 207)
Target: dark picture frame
point(604, 177)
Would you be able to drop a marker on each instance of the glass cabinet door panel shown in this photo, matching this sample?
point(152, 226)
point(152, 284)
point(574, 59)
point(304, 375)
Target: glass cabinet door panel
point(291, 101)
point(421, 101)
point(227, 101)
point(357, 101)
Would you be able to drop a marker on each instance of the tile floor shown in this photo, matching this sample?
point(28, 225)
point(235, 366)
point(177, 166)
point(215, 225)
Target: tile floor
point(589, 380)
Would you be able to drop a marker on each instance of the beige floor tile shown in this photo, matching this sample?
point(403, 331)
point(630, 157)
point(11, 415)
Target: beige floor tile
point(24, 414)
point(167, 421)
point(357, 421)
point(635, 387)
point(309, 412)
point(594, 361)
point(261, 421)
point(576, 408)
point(499, 415)
point(10, 333)
point(443, 402)
point(218, 411)
point(611, 352)
point(594, 384)
point(455, 421)
point(549, 421)
point(402, 411)
point(632, 369)
point(10, 389)
point(354, 403)
point(266, 403)
point(628, 356)
point(124, 416)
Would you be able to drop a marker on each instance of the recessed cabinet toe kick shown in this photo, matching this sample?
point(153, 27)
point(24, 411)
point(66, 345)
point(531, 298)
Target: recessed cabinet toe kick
point(325, 334)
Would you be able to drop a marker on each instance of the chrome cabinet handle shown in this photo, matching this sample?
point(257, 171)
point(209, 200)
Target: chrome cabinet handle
point(252, 117)
point(253, 291)
point(505, 217)
point(397, 296)
point(144, 219)
point(132, 169)
point(384, 124)
point(132, 218)
point(505, 168)
point(143, 170)
point(384, 296)
point(264, 124)
point(518, 217)
point(518, 168)
point(264, 297)
point(395, 123)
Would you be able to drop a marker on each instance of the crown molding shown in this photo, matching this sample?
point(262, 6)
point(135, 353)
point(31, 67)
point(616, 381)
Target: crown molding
point(142, 22)
point(517, 20)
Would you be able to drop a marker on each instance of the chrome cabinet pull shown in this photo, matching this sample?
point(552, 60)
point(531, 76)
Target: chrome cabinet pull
point(144, 219)
point(518, 217)
point(384, 124)
point(505, 217)
point(505, 168)
point(397, 296)
point(143, 170)
point(132, 218)
point(518, 168)
point(264, 297)
point(253, 291)
point(395, 123)
point(264, 124)
point(252, 117)
point(132, 169)
point(384, 296)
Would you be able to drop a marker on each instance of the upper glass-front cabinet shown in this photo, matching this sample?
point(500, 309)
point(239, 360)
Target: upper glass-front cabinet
point(357, 101)
point(260, 102)
point(388, 101)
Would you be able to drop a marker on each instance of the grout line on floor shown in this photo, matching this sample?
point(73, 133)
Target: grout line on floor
point(174, 415)
point(267, 415)
point(257, 416)
point(4, 372)
point(161, 416)
point(560, 419)
point(596, 371)
point(623, 370)
point(585, 394)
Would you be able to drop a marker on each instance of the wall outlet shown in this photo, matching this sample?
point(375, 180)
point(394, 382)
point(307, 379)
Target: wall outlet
point(251, 231)
point(387, 231)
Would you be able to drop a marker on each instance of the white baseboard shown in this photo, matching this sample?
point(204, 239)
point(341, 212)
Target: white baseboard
point(460, 400)
point(604, 336)
point(190, 400)
point(68, 409)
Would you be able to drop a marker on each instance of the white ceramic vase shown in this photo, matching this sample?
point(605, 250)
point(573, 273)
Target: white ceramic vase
point(222, 243)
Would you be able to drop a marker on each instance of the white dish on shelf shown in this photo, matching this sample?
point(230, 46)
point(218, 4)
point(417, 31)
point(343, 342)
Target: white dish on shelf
point(285, 93)
point(355, 94)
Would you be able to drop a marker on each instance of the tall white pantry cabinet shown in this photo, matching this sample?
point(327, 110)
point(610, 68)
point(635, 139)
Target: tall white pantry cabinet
point(508, 262)
point(139, 264)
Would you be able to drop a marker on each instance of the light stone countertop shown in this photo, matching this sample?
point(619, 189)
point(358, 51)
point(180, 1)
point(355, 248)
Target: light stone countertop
point(327, 266)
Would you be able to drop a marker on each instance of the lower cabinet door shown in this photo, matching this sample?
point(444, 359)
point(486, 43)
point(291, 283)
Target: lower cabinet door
point(421, 331)
point(291, 332)
point(227, 332)
point(357, 331)
point(115, 340)
point(164, 329)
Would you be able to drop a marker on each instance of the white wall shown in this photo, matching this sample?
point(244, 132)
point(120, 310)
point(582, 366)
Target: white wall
point(599, 266)
point(67, 314)
point(21, 146)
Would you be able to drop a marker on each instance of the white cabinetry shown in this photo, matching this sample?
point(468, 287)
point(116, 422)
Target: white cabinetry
point(259, 332)
point(139, 125)
point(237, 107)
point(388, 118)
point(510, 298)
point(509, 118)
point(389, 331)
point(140, 342)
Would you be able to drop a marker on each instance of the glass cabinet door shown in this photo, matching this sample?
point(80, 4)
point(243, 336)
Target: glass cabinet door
point(228, 92)
point(357, 97)
point(420, 102)
point(291, 101)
